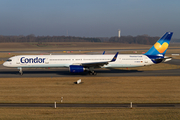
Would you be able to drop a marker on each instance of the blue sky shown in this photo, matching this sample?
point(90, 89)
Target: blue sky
point(89, 18)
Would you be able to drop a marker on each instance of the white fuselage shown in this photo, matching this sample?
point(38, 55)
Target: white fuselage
point(130, 60)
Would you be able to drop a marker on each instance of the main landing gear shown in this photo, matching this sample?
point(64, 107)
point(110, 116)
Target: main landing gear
point(20, 71)
point(91, 71)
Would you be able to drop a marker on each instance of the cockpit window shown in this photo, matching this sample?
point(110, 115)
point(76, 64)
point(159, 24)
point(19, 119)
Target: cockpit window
point(9, 60)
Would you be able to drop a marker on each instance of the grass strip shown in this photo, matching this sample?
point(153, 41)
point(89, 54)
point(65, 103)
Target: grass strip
point(92, 90)
point(89, 113)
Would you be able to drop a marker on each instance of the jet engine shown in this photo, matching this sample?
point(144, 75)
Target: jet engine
point(76, 69)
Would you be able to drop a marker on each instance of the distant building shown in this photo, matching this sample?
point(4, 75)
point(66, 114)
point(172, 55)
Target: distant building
point(119, 33)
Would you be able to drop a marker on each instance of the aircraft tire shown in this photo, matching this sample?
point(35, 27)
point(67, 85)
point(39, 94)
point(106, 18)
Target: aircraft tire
point(94, 73)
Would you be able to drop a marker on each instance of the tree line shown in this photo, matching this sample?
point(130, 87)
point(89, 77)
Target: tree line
point(140, 39)
point(39, 39)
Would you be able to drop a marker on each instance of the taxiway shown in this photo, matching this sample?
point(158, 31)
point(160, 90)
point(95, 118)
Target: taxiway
point(94, 105)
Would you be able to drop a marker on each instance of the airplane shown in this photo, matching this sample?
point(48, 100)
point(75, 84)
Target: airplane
point(82, 63)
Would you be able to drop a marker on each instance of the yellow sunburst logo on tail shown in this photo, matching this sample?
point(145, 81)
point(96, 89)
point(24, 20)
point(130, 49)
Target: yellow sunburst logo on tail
point(161, 48)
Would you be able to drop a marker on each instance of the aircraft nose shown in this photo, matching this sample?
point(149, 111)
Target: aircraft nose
point(5, 64)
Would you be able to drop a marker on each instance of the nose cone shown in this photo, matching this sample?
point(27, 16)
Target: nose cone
point(5, 64)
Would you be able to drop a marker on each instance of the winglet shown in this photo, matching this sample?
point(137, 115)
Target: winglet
point(103, 52)
point(115, 57)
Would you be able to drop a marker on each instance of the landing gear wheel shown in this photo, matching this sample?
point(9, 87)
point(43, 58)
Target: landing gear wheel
point(92, 73)
point(21, 74)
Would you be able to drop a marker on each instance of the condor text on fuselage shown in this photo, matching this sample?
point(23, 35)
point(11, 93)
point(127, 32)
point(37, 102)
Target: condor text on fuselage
point(32, 60)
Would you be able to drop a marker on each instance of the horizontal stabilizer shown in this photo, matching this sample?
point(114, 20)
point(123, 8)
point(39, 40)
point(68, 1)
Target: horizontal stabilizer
point(159, 60)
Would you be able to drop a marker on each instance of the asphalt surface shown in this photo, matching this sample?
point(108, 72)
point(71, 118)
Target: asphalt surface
point(64, 72)
point(174, 62)
point(89, 105)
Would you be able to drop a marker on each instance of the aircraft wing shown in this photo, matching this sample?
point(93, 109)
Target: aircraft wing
point(94, 64)
point(98, 64)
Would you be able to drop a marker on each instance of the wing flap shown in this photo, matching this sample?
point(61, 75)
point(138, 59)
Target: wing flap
point(94, 64)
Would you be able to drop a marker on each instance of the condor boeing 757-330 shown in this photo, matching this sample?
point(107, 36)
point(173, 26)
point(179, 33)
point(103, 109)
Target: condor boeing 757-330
point(81, 63)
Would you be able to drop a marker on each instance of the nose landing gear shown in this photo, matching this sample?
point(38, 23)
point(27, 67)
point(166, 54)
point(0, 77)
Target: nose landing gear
point(20, 71)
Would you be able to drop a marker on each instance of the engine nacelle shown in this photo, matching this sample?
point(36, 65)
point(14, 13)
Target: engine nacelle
point(76, 68)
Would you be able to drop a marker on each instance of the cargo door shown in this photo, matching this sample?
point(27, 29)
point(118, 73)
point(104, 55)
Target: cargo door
point(18, 61)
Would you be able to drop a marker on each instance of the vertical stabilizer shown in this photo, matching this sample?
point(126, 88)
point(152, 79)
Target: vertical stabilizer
point(160, 47)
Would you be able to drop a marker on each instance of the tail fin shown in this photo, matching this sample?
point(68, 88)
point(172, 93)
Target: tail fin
point(160, 47)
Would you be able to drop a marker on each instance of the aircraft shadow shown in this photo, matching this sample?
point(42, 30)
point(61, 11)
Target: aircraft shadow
point(64, 72)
